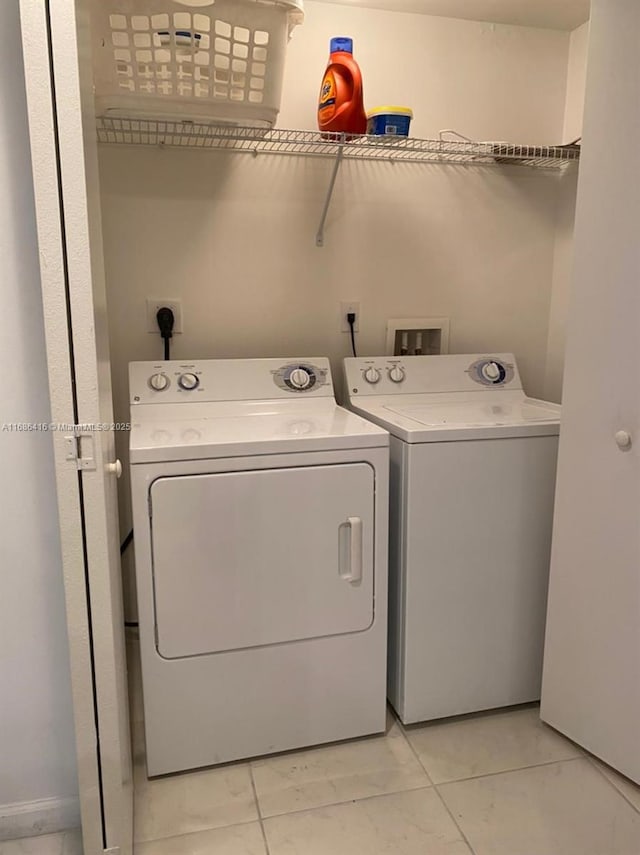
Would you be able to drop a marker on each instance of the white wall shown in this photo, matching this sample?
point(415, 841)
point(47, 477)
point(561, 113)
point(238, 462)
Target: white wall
point(576, 79)
point(489, 81)
point(38, 784)
point(561, 286)
point(233, 236)
point(563, 256)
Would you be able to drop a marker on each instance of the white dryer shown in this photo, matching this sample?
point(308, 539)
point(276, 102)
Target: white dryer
point(260, 517)
point(473, 464)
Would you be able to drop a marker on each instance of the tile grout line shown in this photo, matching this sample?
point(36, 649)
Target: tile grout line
point(508, 771)
point(437, 791)
point(454, 820)
point(259, 809)
point(349, 801)
point(592, 760)
point(581, 754)
point(192, 833)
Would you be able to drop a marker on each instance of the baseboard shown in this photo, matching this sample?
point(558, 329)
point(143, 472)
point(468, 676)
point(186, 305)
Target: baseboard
point(25, 819)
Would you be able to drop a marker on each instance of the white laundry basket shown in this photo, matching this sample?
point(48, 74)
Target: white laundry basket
point(204, 60)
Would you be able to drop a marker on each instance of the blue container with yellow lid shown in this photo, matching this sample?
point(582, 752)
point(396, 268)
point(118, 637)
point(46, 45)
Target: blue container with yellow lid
point(389, 121)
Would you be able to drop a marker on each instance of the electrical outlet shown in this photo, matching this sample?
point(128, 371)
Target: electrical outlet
point(155, 303)
point(345, 309)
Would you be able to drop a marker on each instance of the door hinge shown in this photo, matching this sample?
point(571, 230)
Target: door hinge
point(80, 450)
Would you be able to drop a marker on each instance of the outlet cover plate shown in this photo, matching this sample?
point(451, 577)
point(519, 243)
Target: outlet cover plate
point(155, 303)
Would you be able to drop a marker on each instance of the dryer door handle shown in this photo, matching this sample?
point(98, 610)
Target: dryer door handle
point(352, 556)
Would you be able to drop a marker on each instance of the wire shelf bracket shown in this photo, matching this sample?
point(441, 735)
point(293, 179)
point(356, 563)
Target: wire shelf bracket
point(330, 189)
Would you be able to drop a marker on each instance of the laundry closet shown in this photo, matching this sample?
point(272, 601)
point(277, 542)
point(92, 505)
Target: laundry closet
point(233, 235)
point(259, 237)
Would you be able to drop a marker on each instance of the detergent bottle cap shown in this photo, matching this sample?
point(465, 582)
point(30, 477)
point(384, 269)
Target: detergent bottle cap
point(341, 43)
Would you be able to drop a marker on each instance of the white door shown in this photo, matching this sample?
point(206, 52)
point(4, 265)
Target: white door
point(246, 559)
point(591, 679)
point(61, 121)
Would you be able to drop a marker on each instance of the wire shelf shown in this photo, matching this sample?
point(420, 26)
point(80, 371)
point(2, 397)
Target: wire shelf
point(187, 134)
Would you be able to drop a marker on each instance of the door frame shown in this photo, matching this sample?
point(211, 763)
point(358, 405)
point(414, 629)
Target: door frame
point(64, 160)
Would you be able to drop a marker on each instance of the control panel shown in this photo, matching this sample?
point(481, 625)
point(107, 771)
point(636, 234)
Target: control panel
point(227, 380)
point(160, 381)
point(430, 374)
point(491, 371)
point(299, 377)
point(372, 376)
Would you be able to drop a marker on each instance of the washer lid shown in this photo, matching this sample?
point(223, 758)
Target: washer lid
point(437, 418)
point(464, 414)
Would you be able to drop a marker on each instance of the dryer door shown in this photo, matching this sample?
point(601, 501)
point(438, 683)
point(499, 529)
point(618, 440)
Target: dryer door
point(243, 559)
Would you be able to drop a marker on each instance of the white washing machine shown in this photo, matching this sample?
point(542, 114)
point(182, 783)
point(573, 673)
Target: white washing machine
point(473, 464)
point(260, 514)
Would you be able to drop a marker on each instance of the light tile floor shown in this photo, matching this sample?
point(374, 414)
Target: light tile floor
point(498, 783)
point(64, 843)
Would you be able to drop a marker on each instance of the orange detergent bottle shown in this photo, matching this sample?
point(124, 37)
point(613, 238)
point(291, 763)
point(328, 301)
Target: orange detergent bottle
point(340, 106)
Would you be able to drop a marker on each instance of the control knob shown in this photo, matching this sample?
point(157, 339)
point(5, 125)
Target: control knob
point(491, 371)
point(372, 375)
point(396, 374)
point(158, 382)
point(299, 378)
point(188, 381)
point(623, 440)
